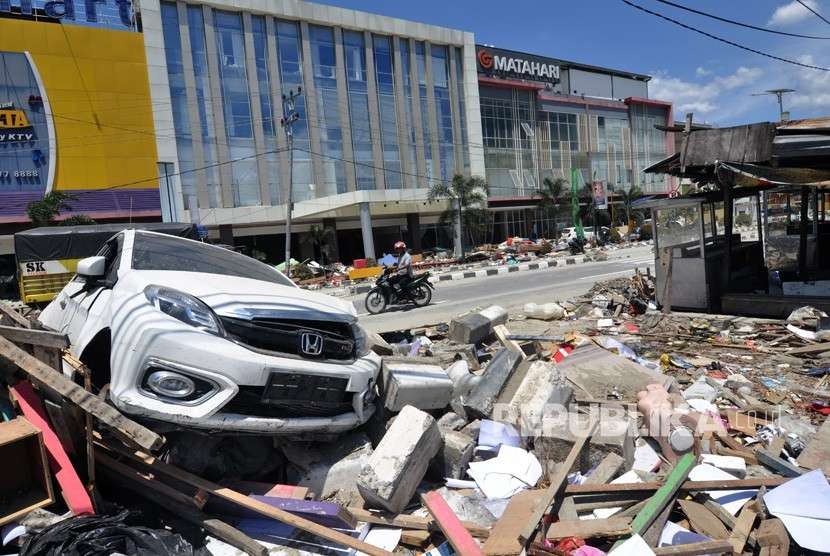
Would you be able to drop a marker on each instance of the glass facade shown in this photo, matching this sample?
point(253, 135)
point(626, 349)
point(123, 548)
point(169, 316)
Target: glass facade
point(245, 75)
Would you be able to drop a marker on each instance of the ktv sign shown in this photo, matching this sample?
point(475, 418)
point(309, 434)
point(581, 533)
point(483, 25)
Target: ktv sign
point(508, 64)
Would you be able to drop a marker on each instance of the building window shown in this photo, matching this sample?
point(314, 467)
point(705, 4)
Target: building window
point(178, 99)
point(324, 65)
point(291, 77)
point(384, 71)
point(459, 70)
point(236, 101)
point(198, 50)
point(420, 61)
point(406, 68)
point(268, 120)
point(355, 54)
point(443, 110)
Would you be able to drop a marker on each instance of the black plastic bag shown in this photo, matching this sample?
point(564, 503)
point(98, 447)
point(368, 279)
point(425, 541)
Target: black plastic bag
point(95, 535)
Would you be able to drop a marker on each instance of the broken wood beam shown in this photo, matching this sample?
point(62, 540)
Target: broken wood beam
point(249, 503)
point(458, 536)
point(690, 486)
point(556, 484)
point(776, 464)
point(406, 521)
point(722, 514)
point(14, 316)
point(502, 334)
point(606, 470)
point(694, 549)
point(126, 430)
point(32, 337)
point(590, 528)
point(743, 525)
point(504, 539)
point(703, 521)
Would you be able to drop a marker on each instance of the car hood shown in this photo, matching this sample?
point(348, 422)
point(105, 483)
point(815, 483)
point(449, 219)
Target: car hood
point(247, 298)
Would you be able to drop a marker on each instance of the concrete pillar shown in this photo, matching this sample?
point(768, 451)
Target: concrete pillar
point(256, 111)
point(458, 148)
point(457, 240)
point(202, 196)
point(222, 149)
point(366, 230)
point(333, 247)
point(413, 225)
point(530, 215)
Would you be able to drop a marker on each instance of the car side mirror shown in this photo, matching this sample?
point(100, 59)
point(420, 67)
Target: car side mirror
point(92, 267)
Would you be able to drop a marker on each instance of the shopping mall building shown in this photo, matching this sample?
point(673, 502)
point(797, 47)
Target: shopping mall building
point(173, 111)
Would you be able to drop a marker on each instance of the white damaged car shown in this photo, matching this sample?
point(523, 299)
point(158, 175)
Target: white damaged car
point(198, 336)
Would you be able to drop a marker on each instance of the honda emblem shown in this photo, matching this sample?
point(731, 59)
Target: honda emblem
point(311, 343)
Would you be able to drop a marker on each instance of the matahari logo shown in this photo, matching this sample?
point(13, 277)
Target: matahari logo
point(485, 59)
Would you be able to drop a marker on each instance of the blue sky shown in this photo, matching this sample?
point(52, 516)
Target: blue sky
point(698, 74)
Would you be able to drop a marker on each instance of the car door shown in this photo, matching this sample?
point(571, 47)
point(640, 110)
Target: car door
point(78, 298)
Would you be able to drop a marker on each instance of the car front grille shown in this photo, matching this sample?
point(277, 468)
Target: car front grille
point(293, 395)
point(328, 340)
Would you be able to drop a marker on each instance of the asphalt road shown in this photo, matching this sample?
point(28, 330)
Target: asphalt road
point(508, 290)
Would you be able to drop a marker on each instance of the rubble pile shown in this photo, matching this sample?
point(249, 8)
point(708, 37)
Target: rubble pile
point(596, 425)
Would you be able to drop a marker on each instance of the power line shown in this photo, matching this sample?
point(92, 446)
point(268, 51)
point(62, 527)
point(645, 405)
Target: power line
point(818, 15)
point(740, 24)
point(726, 41)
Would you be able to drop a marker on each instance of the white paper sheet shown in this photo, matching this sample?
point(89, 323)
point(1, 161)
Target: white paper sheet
point(803, 505)
point(645, 458)
point(731, 500)
point(512, 471)
point(634, 546)
point(386, 538)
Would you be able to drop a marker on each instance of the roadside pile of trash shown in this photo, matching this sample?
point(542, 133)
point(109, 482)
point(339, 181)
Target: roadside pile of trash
point(585, 427)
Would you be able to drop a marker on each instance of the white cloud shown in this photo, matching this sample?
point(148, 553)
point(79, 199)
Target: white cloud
point(812, 88)
point(701, 98)
point(702, 72)
point(792, 12)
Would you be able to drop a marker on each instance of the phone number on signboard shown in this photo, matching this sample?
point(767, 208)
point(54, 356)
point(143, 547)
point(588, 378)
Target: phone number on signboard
point(20, 174)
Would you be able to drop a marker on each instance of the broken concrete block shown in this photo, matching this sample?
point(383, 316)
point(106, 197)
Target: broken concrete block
point(389, 477)
point(560, 429)
point(542, 386)
point(472, 328)
point(454, 456)
point(329, 470)
point(451, 421)
point(700, 390)
point(421, 386)
point(472, 429)
point(478, 403)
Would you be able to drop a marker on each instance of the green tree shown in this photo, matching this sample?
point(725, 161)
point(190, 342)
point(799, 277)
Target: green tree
point(468, 204)
point(78, 220)
point(628, 196)
point(550, 196)
point(44, 211)
point(320, 238)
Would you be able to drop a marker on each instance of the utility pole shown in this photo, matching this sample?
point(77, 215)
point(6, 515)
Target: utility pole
point(289, 116)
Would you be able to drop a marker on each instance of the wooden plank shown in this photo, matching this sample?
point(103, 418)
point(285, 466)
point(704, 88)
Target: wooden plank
point(773, 537)
point(504, 538)
point(415, 537)
point(777, 445)
point(406, 521)
point(810, 349)
point(691, 486)
point(14, 316)
point(124, 428)
point(73, 490)
point(29, 336)
point(502, 334)
point(723, 515)
point(652, 535)
point(664, 496)
point(606, 470)
point(694, 549)
point(460, 539)
point(817, 453)
point(703, 521)
point(556, 484)
point(249, 503)
point(743, 525)
point(567, 510)
point(590, 528)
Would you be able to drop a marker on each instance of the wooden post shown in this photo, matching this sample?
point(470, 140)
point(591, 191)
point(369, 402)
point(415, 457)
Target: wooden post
point(802, 238)
point(728, 210)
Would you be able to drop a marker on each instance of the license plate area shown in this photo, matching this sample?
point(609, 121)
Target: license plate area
point(291, 388)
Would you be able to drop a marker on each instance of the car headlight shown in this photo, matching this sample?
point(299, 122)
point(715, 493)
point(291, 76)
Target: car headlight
point(361, 341)
point(184, 307)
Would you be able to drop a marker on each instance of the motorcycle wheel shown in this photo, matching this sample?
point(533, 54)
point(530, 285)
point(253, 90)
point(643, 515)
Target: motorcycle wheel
point(375, 302)
point(422, 296)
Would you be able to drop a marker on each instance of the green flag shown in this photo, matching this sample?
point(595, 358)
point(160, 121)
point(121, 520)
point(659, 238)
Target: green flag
point(577, 221)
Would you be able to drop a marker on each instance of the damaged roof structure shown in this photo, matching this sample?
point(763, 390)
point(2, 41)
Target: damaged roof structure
point(755, 225)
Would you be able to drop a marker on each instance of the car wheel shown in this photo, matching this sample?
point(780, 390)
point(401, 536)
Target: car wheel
point(422, 296)
point(375, 302)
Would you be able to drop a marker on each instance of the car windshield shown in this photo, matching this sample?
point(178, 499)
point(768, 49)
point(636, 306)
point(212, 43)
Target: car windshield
point(161, 252)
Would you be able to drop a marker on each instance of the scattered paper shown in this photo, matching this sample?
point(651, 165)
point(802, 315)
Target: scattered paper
point(605, 323)
point(634, 546)
point(731, 500)
point(731, 464)
point(385, 538)
point(494, 434)
point(459, 483)
point(803, 505)
point(627, 477)
point(512, 471)
point(645, 457)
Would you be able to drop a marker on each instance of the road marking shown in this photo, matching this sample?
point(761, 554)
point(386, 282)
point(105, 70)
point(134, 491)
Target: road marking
point(594, 276)
point(430, 305)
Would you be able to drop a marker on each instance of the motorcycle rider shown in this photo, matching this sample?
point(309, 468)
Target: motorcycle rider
point(403, 268)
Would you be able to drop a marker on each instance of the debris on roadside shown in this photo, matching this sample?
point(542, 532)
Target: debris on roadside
point(595, 425)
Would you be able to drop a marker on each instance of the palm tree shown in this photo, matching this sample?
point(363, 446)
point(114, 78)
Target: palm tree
point(320, 238)
point(44, 211)
point(550, 196)
point(628, 197)
point(468, 202)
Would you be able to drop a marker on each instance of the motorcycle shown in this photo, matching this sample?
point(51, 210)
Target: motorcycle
point(418, 292)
